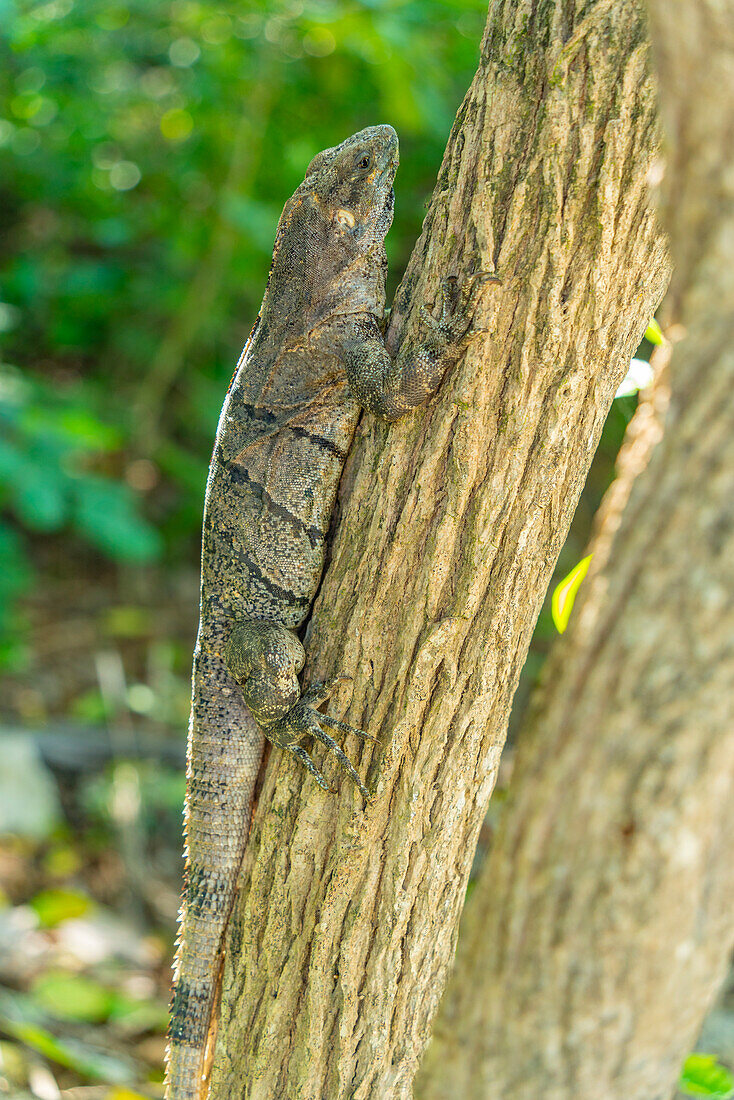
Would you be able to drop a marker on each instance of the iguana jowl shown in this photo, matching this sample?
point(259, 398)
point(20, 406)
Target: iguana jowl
point(315, 357)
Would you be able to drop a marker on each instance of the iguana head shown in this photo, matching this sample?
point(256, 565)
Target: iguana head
point(329, 255)
point(352, 183)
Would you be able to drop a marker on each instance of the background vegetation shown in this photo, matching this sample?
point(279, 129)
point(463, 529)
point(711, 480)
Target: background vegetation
point(147, 148)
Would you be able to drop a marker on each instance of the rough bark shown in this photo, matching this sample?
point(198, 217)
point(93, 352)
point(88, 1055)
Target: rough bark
point(601, 925)
point(450, 525)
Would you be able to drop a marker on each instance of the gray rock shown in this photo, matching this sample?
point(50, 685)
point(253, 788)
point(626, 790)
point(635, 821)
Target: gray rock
point(29, 799)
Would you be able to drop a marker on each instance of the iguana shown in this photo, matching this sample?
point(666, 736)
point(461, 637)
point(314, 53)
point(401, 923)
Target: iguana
point(315, 358)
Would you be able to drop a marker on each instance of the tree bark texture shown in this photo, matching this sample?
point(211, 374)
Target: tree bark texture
point(601, 924)
point(449, 528)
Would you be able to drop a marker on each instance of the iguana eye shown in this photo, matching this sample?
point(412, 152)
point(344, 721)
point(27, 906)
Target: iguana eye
point(364, 162)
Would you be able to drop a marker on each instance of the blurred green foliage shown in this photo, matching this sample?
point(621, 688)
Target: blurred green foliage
point(50, 447)
point(146, 150)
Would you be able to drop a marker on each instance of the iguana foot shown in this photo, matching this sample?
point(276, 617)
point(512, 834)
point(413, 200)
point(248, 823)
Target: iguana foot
point(459, 300)
point(303, 719)
point(265, 659)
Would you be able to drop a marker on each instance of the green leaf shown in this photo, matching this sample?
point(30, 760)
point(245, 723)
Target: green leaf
point(105, 513)
point(187, 468)
point(91, 706)
point(72, 997)
point(15, 572)
point(702, 1075)
point(37, 1038)
point(257, 220)
point(654, 333)
point(54, 906)
point(564, 594)
point(11, 460)
point(85, 430)
point(134, 1016)
point(39, 497)
point(21, 1018)
point(66, 425)
point(70, 1053)
point(125, 621)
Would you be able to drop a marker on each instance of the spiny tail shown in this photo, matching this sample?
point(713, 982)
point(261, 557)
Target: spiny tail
point(223, 761)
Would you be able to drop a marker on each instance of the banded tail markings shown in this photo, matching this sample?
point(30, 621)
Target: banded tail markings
point(190, 1007)
point(206, 891)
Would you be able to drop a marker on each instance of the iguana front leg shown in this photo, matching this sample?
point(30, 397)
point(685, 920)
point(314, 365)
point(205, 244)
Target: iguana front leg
point(390, 386)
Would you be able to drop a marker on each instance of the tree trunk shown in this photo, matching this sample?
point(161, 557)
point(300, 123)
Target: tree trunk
point(601, 925)
point(449, 528)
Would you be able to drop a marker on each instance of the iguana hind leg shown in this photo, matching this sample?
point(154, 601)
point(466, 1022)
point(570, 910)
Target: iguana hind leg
point(265, 659)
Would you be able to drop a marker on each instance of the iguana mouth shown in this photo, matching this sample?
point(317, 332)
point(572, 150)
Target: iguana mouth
point(385, 216)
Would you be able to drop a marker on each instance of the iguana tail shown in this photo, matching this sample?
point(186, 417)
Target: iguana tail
point(223, 761)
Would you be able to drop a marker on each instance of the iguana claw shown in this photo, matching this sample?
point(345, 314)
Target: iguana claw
point(303, 719)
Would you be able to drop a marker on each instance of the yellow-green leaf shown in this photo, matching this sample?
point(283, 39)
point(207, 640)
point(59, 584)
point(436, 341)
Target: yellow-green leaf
point(14, 1063)
point(564, 594)
point(62, 861)
point(654, 333)
point(703, 1076)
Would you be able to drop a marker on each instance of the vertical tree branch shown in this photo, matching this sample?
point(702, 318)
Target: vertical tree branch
point(602, 923)
point(450, 527)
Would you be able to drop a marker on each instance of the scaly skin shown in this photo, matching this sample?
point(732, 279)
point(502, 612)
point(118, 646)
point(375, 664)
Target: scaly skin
point(315, 357)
